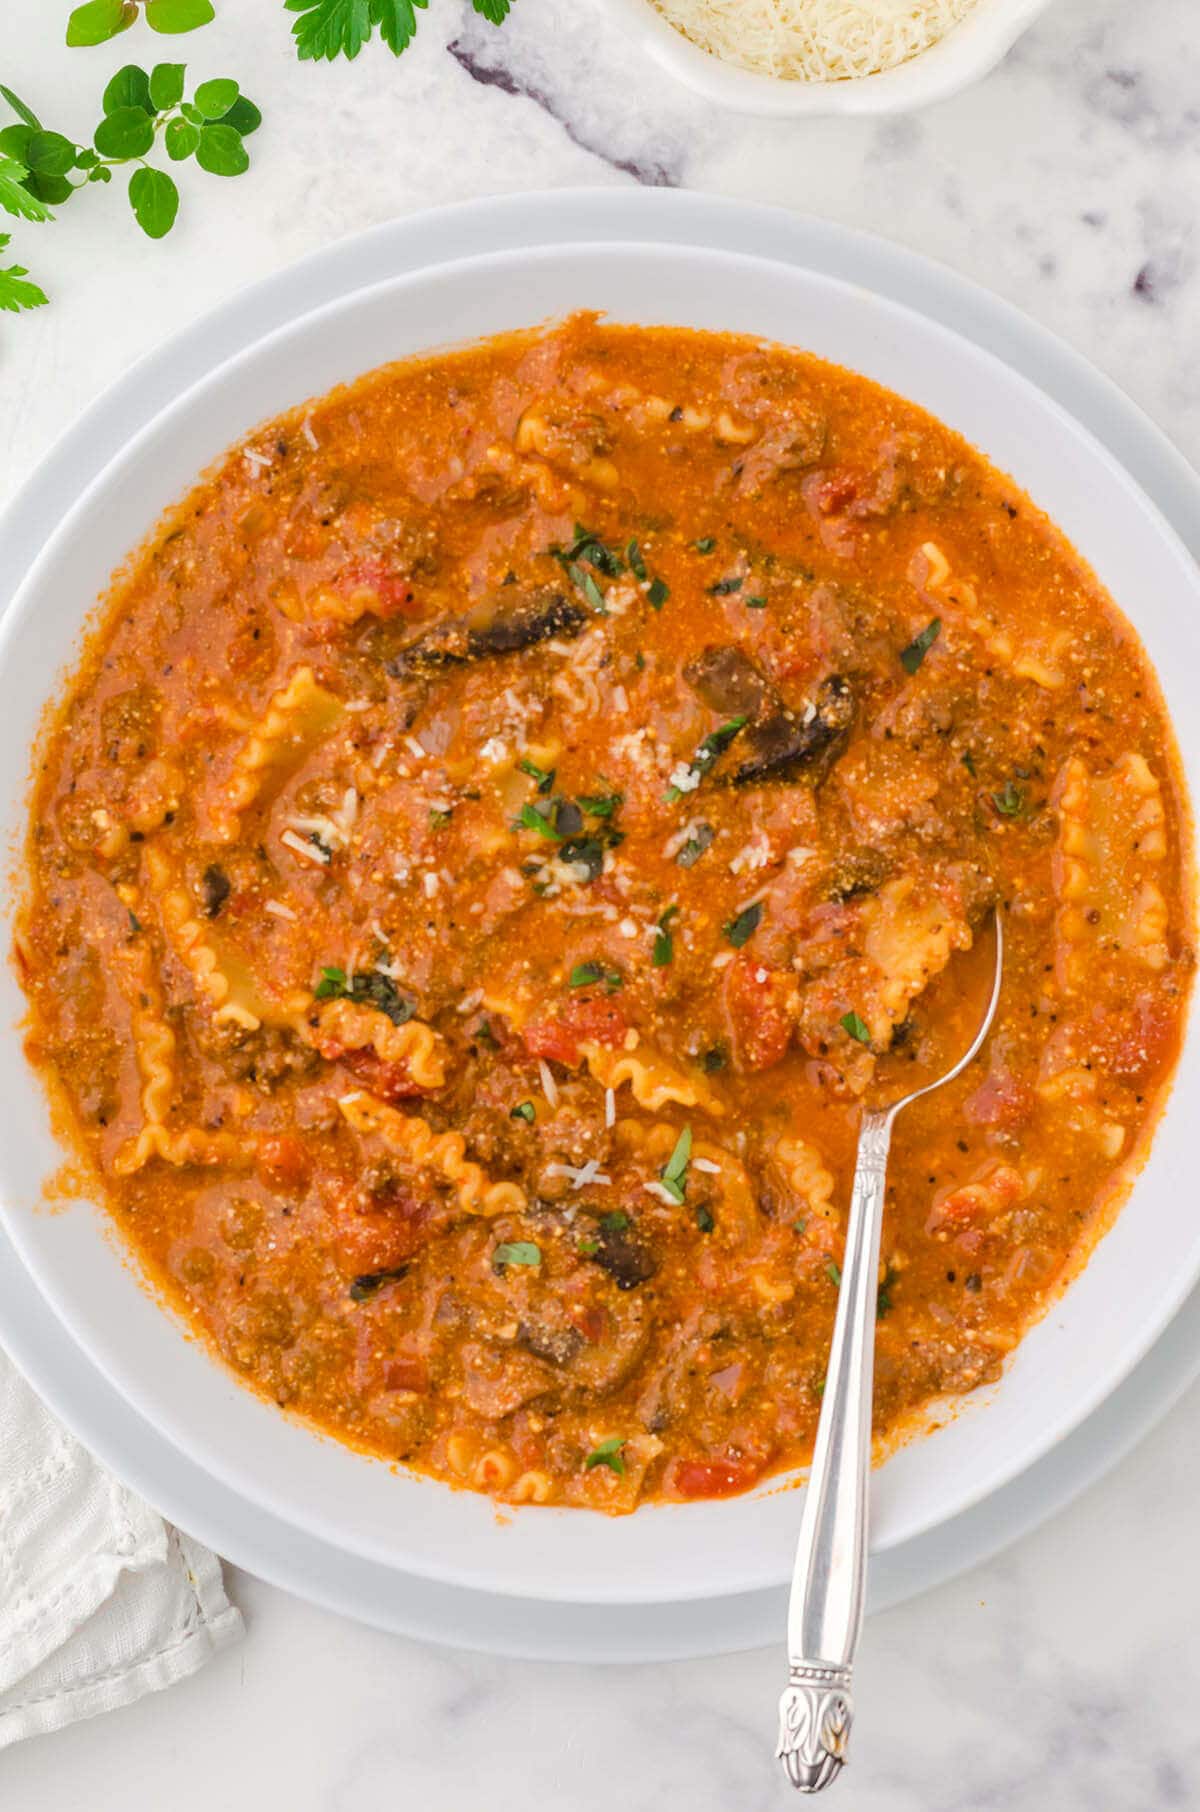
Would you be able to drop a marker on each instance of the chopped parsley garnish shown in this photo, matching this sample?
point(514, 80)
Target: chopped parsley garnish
point(883, 1297)
point(704, 1218)
point(587, 585)
point(364, 1287)
point(741, 929)
point(607, 1454)
point(664, 943)
point(543, 776)
point(798, 1226)
point(516, 1252)
point(912, 656)
point(705, 544)
point(715, 1059)
point(1010, 801)
point(696, 845)
point(833, 1272)
point(587, 975)
point(658, 593)
point(439, 817)
point(674, 1175)
point(590, 548)
point(484, 1035)
point(968, 762)
point(369, 988)
point(587, 1248)
point(524, 1110)
point(857, 1028)
point(633, 555)
point(709, 752)
point(600, 805)
point(616, 1221)
point(755, 603)
point(724, 587)
point(535, 818)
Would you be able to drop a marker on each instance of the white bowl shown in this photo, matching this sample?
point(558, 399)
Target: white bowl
point(1142, 1270)
point(966, 54)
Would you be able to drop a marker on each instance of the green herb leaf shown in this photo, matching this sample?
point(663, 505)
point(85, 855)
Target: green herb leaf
point(857, 1028)
point(25, 114)
point(710, 750)
point(330, 28)
point(154, 200)
point(588, 1247)
point(543, 776)
point(53, 190)
point(130, 87)
point(798, 1226)
point(705, 545)
point(1010, 802)
point(608, 1453)
point(833, 1272)
point(664, 943)
point(243, 116)
point(704, 1217)
point(15, 198)
point(516, 1252)
point(883, 1296)
point(221, 151)
point(98, 20)
point(741, 929)
point(524, 1110)
point(439, 817)
point(715, 1059)
point(397, 22)
point(615, 1221)
point(125, 132)
point(166, 85)
point(215, 98)
point(658, 593)
point(600, 805)
point(724, 587)
point(968, 762)
point(587, 853)
point(494, 11)
point(637, 565)
point(755, 603)
point(49, 154)
point(366, 1286)
point(587, 585)
point(175, 16)
point(370, 988)
point(181, 139)
point(14, 142)
point(912, 656)
point(585, 975)
point(674, 1174)
point(16, 292)
point(695, 846)
point(531, 819)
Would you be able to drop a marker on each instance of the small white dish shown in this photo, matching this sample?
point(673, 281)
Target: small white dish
point(966, 54)
point(664, 258)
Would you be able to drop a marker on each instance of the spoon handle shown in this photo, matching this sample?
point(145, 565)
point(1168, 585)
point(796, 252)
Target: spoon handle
point(828, 1585)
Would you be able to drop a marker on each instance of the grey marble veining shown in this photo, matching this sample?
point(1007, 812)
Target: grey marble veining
point(1064, 1676)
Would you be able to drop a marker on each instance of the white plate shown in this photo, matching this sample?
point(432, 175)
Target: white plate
point(1143, 1269)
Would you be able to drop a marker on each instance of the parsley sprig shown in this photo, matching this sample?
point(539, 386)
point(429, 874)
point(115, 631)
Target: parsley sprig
point(327, 29)
point(16, 291)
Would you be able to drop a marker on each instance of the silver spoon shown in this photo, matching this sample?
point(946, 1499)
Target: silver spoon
point(829, 1582)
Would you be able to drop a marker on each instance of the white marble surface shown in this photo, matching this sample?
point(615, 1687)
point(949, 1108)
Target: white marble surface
point(1063, 1676)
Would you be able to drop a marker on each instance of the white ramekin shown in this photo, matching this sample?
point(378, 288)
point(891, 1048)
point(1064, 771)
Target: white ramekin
point(963, 56)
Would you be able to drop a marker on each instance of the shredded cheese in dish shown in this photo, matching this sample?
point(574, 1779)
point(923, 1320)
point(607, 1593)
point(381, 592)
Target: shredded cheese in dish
point(815, 40)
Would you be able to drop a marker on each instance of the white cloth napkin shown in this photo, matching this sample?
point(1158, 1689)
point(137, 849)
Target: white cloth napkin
point(100, 1599)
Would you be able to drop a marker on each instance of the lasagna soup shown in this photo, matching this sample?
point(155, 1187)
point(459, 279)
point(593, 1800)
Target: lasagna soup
point(500, 829)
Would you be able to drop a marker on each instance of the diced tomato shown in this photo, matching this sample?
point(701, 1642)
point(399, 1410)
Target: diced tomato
point(406, 1372)
point(393, 590)
point(381, 1237)
point(973, 1205)
point(590, 1020)
point(832, 491)
point(592, 1324)
point(713, 1478)
point(1001, 1100)
point(758, 1002)
point(283, 1159)
point(390, 1081)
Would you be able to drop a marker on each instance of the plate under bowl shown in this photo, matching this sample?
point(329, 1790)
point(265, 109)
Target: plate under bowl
point(1141, 1271)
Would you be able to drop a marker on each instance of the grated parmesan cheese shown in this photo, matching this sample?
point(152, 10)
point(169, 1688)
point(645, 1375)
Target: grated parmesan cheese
point(814, 40)
point(549, 1086)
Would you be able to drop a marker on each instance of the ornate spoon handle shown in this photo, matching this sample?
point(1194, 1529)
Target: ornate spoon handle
point(828, 1585)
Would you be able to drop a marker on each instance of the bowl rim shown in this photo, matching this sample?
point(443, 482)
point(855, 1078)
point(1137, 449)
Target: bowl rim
point(968, 52)
point(291, 322)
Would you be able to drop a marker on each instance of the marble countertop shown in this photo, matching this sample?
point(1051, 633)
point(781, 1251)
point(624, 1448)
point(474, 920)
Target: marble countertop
point(1064, 1674)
